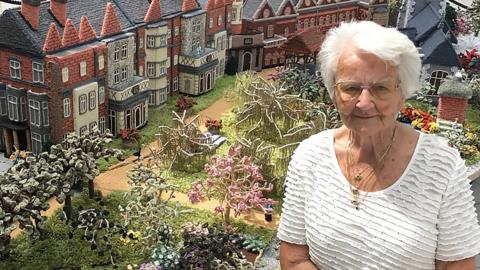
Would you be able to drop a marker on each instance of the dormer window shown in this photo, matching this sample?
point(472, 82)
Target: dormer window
point(266, 13)
point(288, 11)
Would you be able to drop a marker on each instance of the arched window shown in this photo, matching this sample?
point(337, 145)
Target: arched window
point(306, 23)
point(312, 22)
point(437, 77)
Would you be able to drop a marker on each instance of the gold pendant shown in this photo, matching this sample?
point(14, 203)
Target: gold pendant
point(358, 177)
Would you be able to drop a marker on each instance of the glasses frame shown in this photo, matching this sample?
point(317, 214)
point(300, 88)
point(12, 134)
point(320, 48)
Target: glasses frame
point(368, 87)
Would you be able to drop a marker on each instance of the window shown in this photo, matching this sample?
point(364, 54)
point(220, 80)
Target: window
point(13, 108)
point(21, 109)
point(46, 121)
point(83, 68)
point(248, 41)
point(34, 108)
point(37, 72)
point(101, 95)
point(82, 103)
point(305, 24)
point(116, 76)
point(92, 127)
point(101, 124)
point(260, 29)
point(210, 23)
point(150, 41)
point(3, 105)
point(101, 62)
point(163, 95)
point(113, 122)
point(229, 17)
point(116, 53)
point(124, 50)
point(312, 22)
point(224, 42)
point(177, 30)
point(163, 64)
point(320, 20)
point(65, 74)
point(436, 78)
point(196, 26)
point(270, 31)
point(66, 107)
point(128, 118)
point(151, 70)
point(36, 143)
point(234, 14)
point(15, 69)
point(175, 83)
point(219, 44)
point(83, 130)
point(219, 20)
point(124, 73)
point(222, 66)
point(140, 43)
point(286, 31)
point(92, 100)
point(163, 40)
point(152, 99)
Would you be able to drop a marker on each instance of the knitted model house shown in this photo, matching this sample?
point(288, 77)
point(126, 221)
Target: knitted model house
point(422, 21)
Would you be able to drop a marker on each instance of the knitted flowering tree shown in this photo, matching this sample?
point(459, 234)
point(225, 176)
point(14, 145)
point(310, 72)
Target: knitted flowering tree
point(237, 181)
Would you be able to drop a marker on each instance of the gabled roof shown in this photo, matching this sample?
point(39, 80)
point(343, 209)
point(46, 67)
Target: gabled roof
point(283, 4)
point(438, 50)
point(154, 12)
point(17, 35)
point(308, 41)
point(86, 32)
point(275, 5)
point(425, 21)
point(250, 7)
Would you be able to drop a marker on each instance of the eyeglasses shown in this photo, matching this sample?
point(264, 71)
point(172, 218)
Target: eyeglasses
point(351, 90)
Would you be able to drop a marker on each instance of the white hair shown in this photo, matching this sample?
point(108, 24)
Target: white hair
point(387, 44)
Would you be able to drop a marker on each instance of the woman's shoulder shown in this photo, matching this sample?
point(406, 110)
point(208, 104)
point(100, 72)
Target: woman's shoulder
point(437, 152)
point(314, 145)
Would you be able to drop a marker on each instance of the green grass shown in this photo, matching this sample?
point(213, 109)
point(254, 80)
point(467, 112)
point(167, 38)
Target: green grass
point(472, 118)
point(56, 251)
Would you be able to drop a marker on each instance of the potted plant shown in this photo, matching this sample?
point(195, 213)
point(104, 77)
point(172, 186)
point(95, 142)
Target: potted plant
point(130, 138)
point(213, 126)
point(185, 104)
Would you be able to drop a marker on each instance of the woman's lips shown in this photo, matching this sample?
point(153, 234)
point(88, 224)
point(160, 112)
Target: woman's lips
point(365, 116)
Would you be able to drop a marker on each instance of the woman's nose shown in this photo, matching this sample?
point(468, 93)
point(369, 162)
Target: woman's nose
point(365, 100)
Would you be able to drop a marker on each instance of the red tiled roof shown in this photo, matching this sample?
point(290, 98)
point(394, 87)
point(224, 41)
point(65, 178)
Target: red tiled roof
point(154, 13)
point(86, 31)
point(307, 41)
point(70, 34)
point(210, 5)
point(111, 24)
point(53, 41)
point(189, 5)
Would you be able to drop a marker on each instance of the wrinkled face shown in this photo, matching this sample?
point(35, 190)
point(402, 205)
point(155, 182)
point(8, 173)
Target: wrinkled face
point(367, 94)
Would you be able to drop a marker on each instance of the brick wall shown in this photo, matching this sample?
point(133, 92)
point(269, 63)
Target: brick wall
point(26, 72)
point(450, 108)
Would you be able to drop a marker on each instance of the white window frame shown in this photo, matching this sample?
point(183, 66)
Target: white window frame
point(101, 124)
point(151, 68)
point(150, 41)
point(219, 20)
point(65, 74)
point(3, 105)
point(177, 30)
point(101, 95)
point(196, 26)
point(12, 108)
point(210, 23)
point(163, 95)
point(116, 76)
point(92, 126)
point(83, 68)
point(163, 41)
point(140, 43)
point(36, 143)
point(37, 72)
point(92, 100)
point(45, 116)
point(21, 109)
point(66, 107)
point(116, 53)
point(101, 62)
point(270, 31)
point(163, 69)
point(152, 98)
point(175, 83)
point(15, 69)
point(82, 103)
point(124, 73)
point(83, 130)
point(436, 78)
point(124, 51)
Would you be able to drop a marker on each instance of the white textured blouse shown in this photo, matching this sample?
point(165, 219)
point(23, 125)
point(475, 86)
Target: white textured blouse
point(427, 214)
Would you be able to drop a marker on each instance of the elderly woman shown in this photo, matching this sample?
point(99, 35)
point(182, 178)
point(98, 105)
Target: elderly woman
point(374, 193)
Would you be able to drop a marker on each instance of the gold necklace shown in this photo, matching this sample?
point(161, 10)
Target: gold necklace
point(354, 189)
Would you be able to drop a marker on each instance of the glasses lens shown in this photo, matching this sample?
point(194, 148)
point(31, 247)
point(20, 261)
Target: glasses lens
point(348, 91)
point(382, 90)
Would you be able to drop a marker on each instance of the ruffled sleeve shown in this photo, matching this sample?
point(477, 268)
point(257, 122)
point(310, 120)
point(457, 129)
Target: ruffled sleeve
point(458, 229)
point(292, 222)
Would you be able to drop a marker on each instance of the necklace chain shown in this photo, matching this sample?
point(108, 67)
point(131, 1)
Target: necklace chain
point(354, 188)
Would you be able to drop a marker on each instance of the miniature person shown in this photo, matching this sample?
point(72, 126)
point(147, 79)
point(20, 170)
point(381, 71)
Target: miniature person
point(374, 193)
point(456, 125)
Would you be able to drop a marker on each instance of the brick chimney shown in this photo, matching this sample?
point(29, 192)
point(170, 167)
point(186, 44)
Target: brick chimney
point(454, 95)
point(58, 8)
point(31, 11)
point(154, 12)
